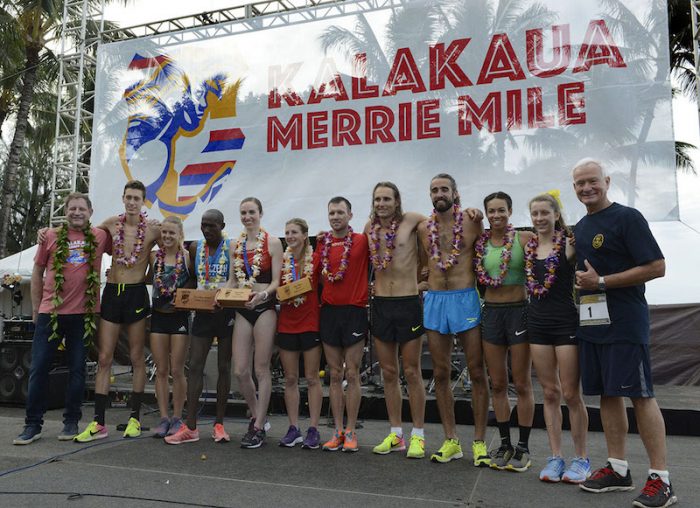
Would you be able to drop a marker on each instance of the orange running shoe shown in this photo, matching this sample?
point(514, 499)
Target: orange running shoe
point(350, 444)
point(219, 434)
point(335, 443)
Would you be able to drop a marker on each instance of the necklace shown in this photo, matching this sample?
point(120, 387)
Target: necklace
point(245, 273)
point(374, 244)
point(344, 259)
point(119, 254)
point(288, 271)
point(551, 263)
point(93, 282)
point(159, 270)
point(204, 279)
point(434, 239)
point(480, 251)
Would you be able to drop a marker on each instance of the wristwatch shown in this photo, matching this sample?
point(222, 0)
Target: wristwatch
point(601, 283)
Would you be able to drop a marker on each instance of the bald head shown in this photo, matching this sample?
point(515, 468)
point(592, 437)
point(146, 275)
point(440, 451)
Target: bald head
point(214, 215)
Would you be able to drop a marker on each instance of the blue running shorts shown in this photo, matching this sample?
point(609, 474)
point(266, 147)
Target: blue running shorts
point(452, 311)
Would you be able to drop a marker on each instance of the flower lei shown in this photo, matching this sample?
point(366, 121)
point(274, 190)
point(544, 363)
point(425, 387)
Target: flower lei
point(344, 259)
point(93, 282)
point(203, 280)
point(288, 274)
point(246, 280)
point(434, 239)
point(551, 263)
point(480, 251)
point(159, 269)
point(119, 255)
point(374, 244)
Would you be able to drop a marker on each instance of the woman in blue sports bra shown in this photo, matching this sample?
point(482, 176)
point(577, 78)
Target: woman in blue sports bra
point(500, 266)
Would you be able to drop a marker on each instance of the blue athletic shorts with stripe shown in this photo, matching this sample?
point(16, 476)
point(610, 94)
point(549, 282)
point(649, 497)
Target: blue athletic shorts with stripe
point(452, 311)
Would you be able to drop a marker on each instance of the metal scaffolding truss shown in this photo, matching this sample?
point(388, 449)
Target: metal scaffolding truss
point(695, 16)
point(83, 31)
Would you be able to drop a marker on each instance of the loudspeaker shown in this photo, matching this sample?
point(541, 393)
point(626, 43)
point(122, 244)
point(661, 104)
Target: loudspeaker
point(15, 361)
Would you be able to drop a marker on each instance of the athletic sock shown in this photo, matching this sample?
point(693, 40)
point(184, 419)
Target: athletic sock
point(100, 408)
point(619, 466)
point(504, 431)
point(397, 430)
point(136, 398)
point(662, 474)
point(418, 432)
point(524, 437)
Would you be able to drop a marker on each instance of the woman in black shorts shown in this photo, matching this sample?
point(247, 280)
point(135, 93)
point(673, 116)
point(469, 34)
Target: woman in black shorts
point(169, 328)
point(500, 266)
point(552, 323)
point(297, 334)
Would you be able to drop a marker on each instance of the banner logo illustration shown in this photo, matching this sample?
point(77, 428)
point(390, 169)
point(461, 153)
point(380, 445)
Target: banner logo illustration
point(164, 116)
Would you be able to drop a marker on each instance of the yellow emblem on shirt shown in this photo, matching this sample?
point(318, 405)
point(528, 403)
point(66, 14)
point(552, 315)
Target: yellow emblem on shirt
point(598, 241)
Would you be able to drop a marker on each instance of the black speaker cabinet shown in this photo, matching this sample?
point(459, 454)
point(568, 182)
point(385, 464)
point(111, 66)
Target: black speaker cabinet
point(15, 361)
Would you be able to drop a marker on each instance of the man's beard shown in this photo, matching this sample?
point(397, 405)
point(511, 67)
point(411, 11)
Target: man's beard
point(442, 204)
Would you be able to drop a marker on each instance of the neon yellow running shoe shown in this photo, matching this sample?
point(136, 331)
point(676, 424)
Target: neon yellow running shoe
point(93, 432)
point(416, 448)
point(450, 450)
point(391, 443)
point(480, 454)
point(133, 428)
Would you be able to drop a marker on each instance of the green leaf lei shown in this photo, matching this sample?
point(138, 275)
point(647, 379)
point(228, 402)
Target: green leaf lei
point(93, 281)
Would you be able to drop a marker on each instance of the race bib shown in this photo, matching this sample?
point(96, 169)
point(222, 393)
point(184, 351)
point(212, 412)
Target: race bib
point(593, 310)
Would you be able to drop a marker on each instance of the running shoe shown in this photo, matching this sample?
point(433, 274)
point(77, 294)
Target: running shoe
point(312, 440)
point(520, 461)
point(30, 434)
point(655, 494)
point(450, 450)
point(606, 479)
point(253, 439)
point(480, 454)
point(175, 425)
point(292, 437)
point(334, 443)
point(350, 442)
point(70, 430)
point(133, 428)
point(391, 443)
point(163, 427)
point(93, 431)
point(219, 435)
point(501, 457)
point(251, 425)
point(553, 470)
point(578, 471)
point(183, 435)
point(416, 447)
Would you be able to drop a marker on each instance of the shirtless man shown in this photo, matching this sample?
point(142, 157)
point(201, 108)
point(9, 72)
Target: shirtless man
point(125, 301)
point(451, 308)
point(396, 320)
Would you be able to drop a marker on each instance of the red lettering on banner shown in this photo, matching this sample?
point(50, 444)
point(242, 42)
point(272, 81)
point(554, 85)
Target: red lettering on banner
point(514, 109)
point(404, 74)
point(428, 125)
point(598, 48)
point(279, 80)
point(346, 123)
point(360, 89)
point(561, 52)
point(535, 115)
point(279, 134)
point(500, 62)
point(488, 113)
point(336, 90)
point(405, 121)
point(378, 123)
point(443, 65)
point(316, 129)
point(571, 103)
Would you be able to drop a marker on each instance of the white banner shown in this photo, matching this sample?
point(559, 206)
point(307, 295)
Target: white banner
point(297, 108)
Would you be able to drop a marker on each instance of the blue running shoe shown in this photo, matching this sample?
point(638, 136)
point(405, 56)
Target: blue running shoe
point(30, 434)
point(553, 470)
point(578, 471)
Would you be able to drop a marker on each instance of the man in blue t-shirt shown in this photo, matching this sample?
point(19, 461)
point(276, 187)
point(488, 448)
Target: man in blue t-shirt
point(616, 254)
